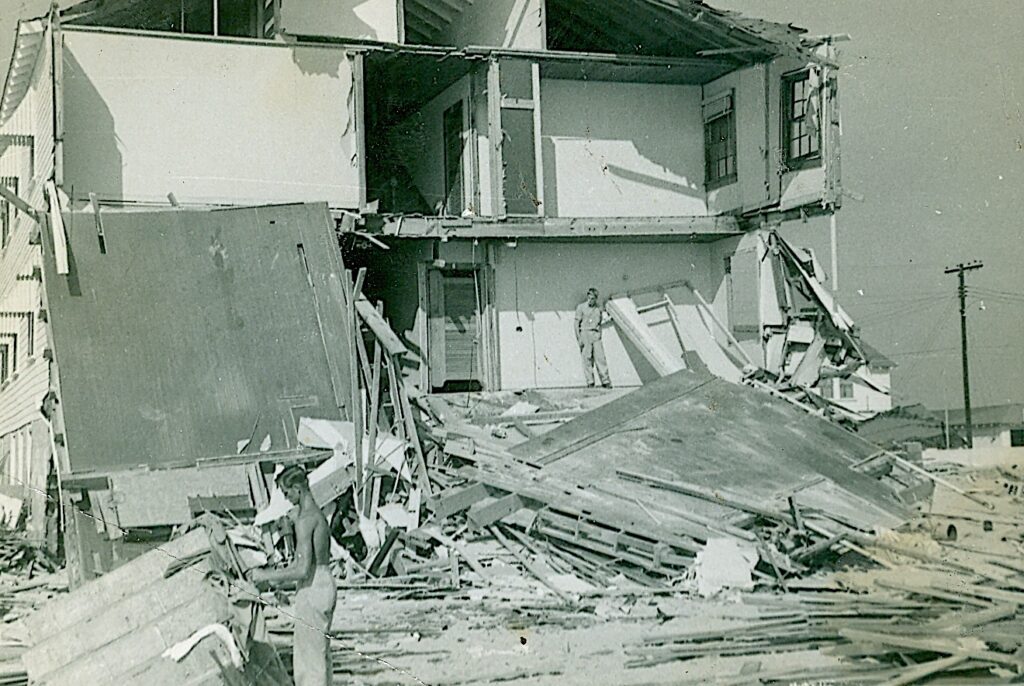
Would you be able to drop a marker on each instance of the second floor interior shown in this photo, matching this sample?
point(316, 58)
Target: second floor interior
point(455, 109)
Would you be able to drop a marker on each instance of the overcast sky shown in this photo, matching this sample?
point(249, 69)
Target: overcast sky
point(933, 139)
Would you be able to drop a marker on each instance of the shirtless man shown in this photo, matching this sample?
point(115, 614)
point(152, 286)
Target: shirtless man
point(313, 606)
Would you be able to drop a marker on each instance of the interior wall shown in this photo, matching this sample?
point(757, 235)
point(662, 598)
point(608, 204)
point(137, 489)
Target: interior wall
point(622, 150)
point(212, 122)
point(498, 23)
point(368, 19)
point(750, 190)
point(537, 288)
point(420, 142)
point(391, 276)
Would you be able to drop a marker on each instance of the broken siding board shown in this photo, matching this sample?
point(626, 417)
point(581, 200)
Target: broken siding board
point(108, 664)
point(201, 667)
point(108, 624)
point(120, 583)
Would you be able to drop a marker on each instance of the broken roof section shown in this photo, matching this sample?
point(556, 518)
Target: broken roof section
point(183, 335)
point(27, 45)
point(652, 28)
point(678, 28)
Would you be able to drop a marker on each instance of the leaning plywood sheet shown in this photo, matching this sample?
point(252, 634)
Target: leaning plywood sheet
point(695, 332)
point(184, 334)
point(623, 311)
point(708, 434)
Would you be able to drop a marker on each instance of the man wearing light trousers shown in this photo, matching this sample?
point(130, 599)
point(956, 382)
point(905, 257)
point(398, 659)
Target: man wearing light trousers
point(589, 316)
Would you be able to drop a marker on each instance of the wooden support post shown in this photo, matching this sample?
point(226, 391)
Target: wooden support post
point(398, 424)
point(356, 410)
point(411, 433)
point(372, 421)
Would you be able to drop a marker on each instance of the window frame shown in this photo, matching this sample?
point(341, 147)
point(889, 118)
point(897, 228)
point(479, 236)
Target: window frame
point(8, 213)
point(845, 386)
point(1017, 437)
point(810, 159)
point(711, 163)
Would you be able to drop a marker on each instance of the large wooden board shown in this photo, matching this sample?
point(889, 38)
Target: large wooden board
point(191, 331)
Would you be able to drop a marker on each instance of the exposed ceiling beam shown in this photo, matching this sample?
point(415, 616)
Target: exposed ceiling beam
point(416, 11)
point(660, 22)
point(611, 37)
point(424, 9)
point(457, 6)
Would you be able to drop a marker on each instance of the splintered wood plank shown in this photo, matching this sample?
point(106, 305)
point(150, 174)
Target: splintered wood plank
point(201, 667)
point(126, 580)
point(492, 510)
point(380, 328)
point(447, 503)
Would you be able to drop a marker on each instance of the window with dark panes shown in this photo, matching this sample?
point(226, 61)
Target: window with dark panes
point(1017, 438)
point(719, 142)
point(801, 107)
point(845, 390)
point(827, 390)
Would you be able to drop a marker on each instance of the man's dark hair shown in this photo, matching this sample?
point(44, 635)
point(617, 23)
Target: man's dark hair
point(292, 475)
point(591, 290)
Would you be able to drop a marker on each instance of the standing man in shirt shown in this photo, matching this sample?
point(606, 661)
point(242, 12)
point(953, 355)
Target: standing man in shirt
point(589, 316)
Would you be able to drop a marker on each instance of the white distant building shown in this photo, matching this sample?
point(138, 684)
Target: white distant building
point(868, 391)
point(992, 426)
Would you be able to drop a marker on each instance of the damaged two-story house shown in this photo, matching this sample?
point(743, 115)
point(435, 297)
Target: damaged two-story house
point(487, 161)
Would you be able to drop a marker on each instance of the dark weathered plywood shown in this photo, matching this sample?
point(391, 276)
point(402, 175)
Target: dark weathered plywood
point(715, 435)
point(195, 327)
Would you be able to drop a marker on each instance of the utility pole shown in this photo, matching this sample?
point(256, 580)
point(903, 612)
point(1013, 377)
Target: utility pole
point(960, 270)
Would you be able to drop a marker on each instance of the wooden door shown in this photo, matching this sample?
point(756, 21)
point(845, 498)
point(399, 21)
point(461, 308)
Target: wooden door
point(454, 329)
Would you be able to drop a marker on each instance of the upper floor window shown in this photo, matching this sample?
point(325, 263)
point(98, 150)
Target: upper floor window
point(801, 116)
point(5, 353)
point(236, 18)
point(719, 142)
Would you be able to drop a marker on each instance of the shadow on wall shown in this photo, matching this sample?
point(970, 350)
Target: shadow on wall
point(320, 61)
point(659, 148)
point(92, 156)
point(343, 19)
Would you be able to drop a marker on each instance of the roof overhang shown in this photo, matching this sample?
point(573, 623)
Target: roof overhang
point(28, 44)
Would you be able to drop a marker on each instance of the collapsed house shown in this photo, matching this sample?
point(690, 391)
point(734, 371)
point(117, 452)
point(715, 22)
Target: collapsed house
point(482, 164)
